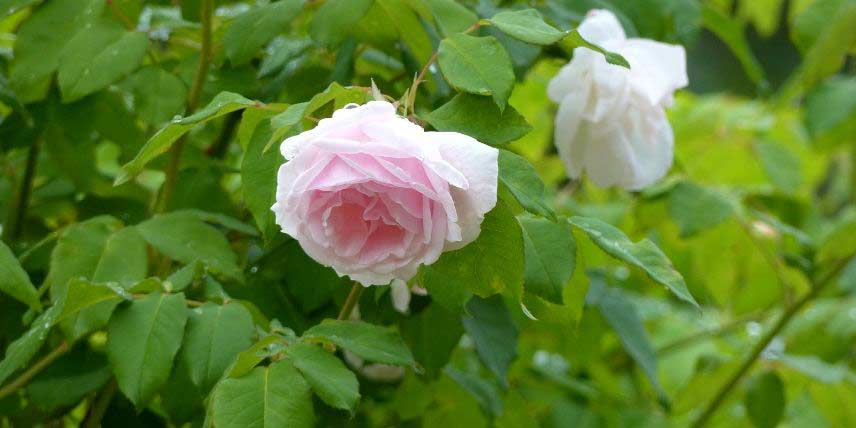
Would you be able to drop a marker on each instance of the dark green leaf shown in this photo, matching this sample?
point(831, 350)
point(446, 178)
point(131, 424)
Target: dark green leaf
point(223, 103)
point(730, 31)
point(87, 306)
point(451, 16)
point(765, 400)
point(576, 40)
point(528, 26)
point(371, 342)
point(19, 352)
point(258, 178)
point(494, 334)
point(78, 252)
point(479, 118)
point(330, 379)
point(643, 254)
point(432, 335)
point(478, 65)
point(491, 264)
point(97, 56)
point(268, 397)
point(158, 95)
point(14, 281)
point(524, 183)
point(249, 359)
point(215, 335)
point(143, 339)
point(182, 236)
point(253, 29)
point(551, 254)
point(335, 20)
point(69, 379)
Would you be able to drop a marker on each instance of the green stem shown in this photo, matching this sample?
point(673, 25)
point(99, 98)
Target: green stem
point(351, 301)
point(18, 210)
point(704, 334)
point(759, 347)
point(22, 380)
point(207, 9)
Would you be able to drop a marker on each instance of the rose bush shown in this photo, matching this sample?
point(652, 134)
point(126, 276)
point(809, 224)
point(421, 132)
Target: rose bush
point(374, 196)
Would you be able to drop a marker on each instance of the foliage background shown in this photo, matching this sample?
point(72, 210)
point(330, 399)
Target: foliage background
point(757, 208)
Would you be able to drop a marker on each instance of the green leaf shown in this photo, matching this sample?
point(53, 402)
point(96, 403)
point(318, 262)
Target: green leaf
point(269, 397)
point(330, 379)
point(253, 29)
point(370, 342)
point(765, 400)
point(401, 16)
point(224, 103)
point(288, 121)
point(158, 94)
point(643, 254)
point(215, 335)
point(258, 178)
point(451, 16)
point(66, 381)
point(40, 41)
point(817, 369)
point(334, 21)
point(780, 164)
point(97, 56)
point(14, 281)
point(432, 335)
point(78, 252)
point(527, 26)
point(730, 31)
point(523, 181)
point(249, 359)
point(9, 7)
point(87, 306)
point(695, 208)
point(182, 236)
point(143, 339)
point(494, 334)
point(576, 40)
point(124, 259)
point(19, 352)
point(838, 242)
point(479, 118)
point(831, 104)
point(620, 313)
point(491, 264)
point(478, 65)
point(810, 22)
point(551, 254)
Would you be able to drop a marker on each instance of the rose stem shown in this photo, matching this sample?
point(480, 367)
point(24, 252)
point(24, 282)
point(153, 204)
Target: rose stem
point(351, 301)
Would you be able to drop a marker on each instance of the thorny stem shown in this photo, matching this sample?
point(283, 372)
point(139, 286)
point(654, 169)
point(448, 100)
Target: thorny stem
point(18, 213)
point(351, 301)
point(22, 380)
point(207, 8)
point(759, 347)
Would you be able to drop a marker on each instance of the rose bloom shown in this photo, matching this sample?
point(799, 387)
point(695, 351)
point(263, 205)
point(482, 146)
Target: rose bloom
point(611, 123)
point(373, 195)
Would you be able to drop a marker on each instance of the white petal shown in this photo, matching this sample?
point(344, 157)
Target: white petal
point(601, 25)
point(656, 69)
point(479, 164)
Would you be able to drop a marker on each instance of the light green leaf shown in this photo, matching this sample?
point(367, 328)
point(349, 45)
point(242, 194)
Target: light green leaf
point(528, 26)
point(643, 254)
point(575, 40)
point(831, 104)
point(143, 339)
point(620, 313)
point(479, 118)
point(491, 264)
point(249, 359)
point(224, 103)
point(253, 29)
point(19, 352)
point(268, 397)
point(97, 56)
point(335, 20)
point(40, 41)
point(494, 333)
point(695, 208)
point(124, 259)
point(838, 243)
point(258, 178)
point(182, 236)
point(215, 335)
point(330, 379)
point(9, 7)
point(371, 342)
point(765, 400)
point(780, 164)
point(14, 281)
point(478, 65)
point(451, 16)
point(158, 94)
point(524, 183)
point(87, 306)
point(551, 254)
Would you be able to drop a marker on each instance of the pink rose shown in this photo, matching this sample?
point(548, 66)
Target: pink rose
point(374, 196)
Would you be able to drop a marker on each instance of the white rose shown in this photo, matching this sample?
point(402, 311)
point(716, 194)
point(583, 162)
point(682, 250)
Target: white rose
point(611, 123)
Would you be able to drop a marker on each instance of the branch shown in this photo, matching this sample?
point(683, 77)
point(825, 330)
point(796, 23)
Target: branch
point(351, 301)
point(759, 347)
point(18, 210)
point(35, 369)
